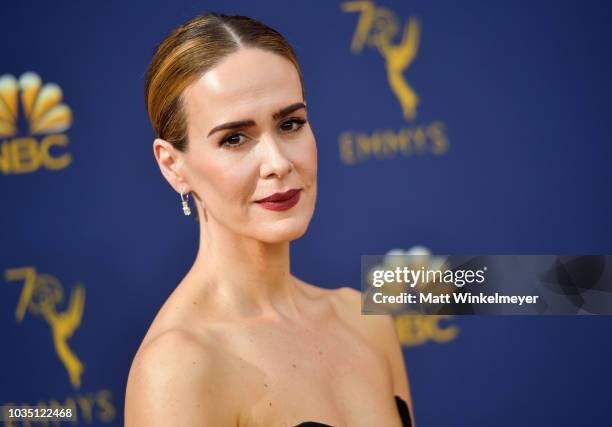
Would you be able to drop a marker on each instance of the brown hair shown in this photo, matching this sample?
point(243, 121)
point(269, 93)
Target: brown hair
point(188, 52)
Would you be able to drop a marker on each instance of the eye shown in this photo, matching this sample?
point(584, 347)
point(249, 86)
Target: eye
point(232, 141)
point(292, 125)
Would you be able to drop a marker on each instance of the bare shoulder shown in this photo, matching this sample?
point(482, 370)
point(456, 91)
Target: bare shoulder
point(175, 379)
point(380, 330)
point(377, 328)
point(346, 303)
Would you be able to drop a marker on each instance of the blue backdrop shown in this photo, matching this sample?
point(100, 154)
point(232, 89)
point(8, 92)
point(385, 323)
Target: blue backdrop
point(464, 127)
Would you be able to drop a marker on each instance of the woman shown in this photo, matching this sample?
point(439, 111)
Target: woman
point(241, 341)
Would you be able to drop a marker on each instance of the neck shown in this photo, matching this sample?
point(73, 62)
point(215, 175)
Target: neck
point(243, 275)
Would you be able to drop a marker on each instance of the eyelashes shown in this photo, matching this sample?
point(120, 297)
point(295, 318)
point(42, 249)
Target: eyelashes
point(300, 122)
point(233, 140)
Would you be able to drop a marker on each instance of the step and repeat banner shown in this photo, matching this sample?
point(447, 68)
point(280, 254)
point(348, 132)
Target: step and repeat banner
point(442, 128)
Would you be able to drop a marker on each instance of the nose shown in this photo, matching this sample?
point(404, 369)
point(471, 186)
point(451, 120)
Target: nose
point(273, 160)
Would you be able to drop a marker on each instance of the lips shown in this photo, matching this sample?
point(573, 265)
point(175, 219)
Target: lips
point(280, 201)
point(280, 197)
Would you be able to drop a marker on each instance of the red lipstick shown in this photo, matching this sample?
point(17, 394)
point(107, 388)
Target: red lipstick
point(281, 201)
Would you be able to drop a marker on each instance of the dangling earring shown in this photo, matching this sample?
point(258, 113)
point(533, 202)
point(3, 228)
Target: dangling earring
point(186, 209)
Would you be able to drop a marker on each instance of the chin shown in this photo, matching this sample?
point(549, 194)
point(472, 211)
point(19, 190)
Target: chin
point(283, 230)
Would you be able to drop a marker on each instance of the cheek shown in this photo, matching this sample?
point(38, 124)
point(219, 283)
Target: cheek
point(306, 159)
point(220, 179)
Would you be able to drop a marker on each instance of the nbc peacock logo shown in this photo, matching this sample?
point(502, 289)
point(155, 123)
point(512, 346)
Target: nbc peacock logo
point(43, 145)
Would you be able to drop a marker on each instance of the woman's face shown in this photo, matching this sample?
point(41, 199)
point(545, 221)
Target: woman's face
point(249, 138)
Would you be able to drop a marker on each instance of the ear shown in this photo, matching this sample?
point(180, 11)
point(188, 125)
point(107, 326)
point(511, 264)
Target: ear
point(170, 162)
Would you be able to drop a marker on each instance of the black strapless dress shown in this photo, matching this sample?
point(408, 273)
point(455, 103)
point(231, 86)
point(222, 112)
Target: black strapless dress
point(402, 408)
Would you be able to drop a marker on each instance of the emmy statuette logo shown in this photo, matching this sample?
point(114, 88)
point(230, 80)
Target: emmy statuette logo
point(378, 27)
point(41, 294)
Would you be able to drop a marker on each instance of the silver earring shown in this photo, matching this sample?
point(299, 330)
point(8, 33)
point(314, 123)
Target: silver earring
point(186, 209)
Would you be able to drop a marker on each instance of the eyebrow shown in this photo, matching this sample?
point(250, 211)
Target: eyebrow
point(250, 122)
